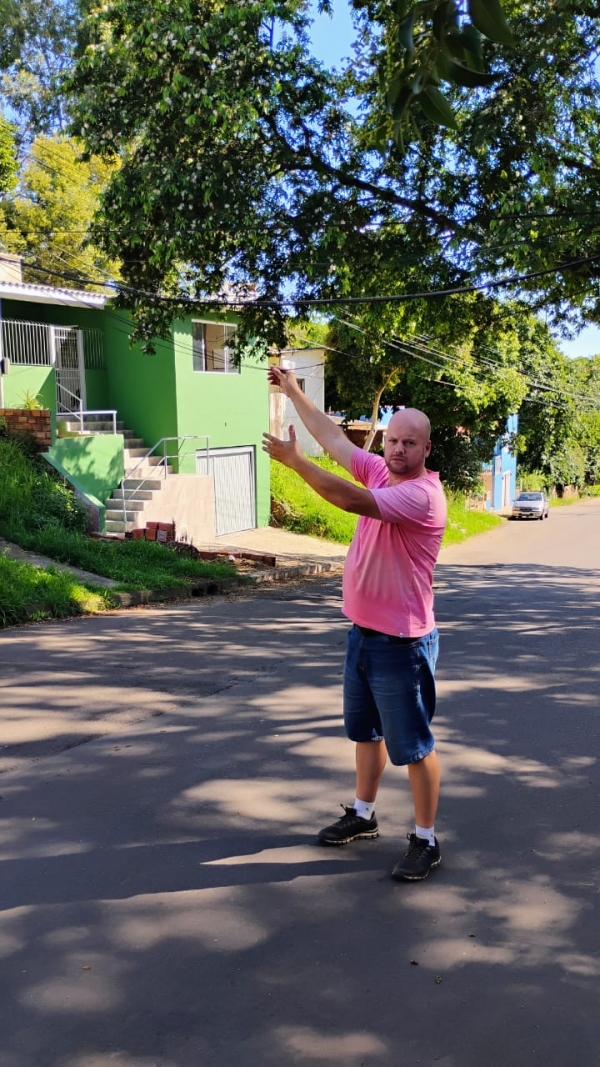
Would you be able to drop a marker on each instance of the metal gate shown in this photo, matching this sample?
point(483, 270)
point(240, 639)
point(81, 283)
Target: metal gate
point(235, 496)
point(70, 373)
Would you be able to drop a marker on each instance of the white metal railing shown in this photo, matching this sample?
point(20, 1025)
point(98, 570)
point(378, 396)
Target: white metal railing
point(162, 467)
point(71, 405)
point(37, 344)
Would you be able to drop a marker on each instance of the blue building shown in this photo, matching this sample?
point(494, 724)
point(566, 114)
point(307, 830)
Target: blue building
point(500, 476)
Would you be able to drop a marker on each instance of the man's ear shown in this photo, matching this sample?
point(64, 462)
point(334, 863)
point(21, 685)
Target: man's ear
point(428, 448)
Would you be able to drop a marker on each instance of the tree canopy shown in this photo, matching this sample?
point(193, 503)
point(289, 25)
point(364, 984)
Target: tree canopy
point(245, 161)
point(8, 156)
point(38, 46)
point(47, 217)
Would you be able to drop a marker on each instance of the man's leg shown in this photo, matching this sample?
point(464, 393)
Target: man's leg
point(424, 778)
point(359, 822)
point(371, 758)
point(423, 852)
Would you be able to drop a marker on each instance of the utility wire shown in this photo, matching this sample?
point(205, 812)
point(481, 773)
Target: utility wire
point(280, 304)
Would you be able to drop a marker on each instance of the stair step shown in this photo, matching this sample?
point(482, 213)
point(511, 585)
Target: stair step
point(133, 454)
point(116, 515)
point(115, 526)
point(133, 495)
point(131, 503)
point(142, 486)
point(145, 470)
point(139, 453)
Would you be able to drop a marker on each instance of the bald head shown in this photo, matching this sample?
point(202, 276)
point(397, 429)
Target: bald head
point(407, 444)
point(411, 419)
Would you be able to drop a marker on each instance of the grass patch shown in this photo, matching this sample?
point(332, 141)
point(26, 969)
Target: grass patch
point(39, 512)
point(296, 507)
point(464, 522)
point(133, 564)
point(30, 594)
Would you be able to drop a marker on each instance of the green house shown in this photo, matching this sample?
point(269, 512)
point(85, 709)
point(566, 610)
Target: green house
point(169, 437)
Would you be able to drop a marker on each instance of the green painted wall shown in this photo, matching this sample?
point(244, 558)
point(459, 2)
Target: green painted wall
point(141, 387)
point(38, 381)
point(233, 409)
point(95, 463)
point(84, 494)
point(97, 390)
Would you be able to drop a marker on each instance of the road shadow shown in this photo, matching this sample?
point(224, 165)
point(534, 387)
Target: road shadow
point(164, 903)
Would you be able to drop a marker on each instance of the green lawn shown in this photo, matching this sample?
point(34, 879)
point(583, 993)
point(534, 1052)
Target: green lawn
point(29, 593)
point(39, 512)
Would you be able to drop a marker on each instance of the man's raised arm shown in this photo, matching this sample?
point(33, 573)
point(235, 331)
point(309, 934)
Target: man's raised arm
point(331, 437)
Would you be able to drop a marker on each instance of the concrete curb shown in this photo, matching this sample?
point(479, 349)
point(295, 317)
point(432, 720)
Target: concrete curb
point(217, 586)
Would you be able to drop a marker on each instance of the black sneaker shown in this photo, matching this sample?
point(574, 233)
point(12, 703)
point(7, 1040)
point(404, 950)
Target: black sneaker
point(418, 860)
point(349, 828)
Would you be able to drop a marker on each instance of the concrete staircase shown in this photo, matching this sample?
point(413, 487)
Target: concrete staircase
point(141, 483)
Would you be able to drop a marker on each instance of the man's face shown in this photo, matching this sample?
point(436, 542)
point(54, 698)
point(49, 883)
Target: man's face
point(407, 445)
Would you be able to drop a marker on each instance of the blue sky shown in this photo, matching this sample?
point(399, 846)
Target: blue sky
point(332, 37)
point(332, 41)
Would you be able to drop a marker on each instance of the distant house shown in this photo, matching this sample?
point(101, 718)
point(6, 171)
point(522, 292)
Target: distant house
point(500, 476)
point(308, 367)
point(174, 436)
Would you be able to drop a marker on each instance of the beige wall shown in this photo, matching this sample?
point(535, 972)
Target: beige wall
point(307, 365)
point(188, 500)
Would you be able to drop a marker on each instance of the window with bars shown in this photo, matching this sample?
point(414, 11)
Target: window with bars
point(211, 351)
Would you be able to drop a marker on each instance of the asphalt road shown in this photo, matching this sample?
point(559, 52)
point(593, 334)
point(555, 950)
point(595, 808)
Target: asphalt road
point(163, 903)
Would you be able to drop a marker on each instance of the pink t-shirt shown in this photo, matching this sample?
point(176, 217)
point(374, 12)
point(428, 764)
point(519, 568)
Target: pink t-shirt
point(388, 577)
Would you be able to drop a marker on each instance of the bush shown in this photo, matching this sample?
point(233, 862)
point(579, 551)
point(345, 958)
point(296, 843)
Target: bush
point(533, 480)
point(32, 496)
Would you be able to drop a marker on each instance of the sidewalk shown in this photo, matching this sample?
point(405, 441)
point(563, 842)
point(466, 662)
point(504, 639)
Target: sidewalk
point(295, 555)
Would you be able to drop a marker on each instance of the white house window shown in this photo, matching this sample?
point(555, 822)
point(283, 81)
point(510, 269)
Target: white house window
point(211, 351)
point(301, 384)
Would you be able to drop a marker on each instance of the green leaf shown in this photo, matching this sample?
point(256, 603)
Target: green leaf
point(444, 14)
point(401, 102)
point(488, 17)
point(436, 107)
point(405, 31)
point(398, 134)
point(472, 41)
point(471, 79)
point(453, 44)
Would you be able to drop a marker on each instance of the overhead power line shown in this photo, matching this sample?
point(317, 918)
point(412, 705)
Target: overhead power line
point(294, 302)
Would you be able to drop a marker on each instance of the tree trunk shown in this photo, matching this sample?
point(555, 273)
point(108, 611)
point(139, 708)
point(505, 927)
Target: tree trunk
point(374, 419)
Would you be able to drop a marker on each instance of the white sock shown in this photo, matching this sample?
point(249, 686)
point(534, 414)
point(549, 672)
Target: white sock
point(426, 832)
point(363, 809)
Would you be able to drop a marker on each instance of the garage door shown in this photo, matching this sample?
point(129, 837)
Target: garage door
point(235, 497)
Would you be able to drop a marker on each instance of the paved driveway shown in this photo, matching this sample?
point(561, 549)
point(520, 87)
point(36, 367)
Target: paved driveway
point(163, 901)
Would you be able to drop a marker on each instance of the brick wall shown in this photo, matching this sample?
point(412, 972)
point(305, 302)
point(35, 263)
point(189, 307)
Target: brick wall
point(24, 423)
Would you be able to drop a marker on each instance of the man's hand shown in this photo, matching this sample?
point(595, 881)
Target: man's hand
point(285, 379)
point(286, 452)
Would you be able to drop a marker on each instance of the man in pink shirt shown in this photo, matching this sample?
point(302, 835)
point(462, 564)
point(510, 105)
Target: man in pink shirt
point(389, 688)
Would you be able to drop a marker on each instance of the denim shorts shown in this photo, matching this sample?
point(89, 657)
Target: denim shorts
point(389, 692)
